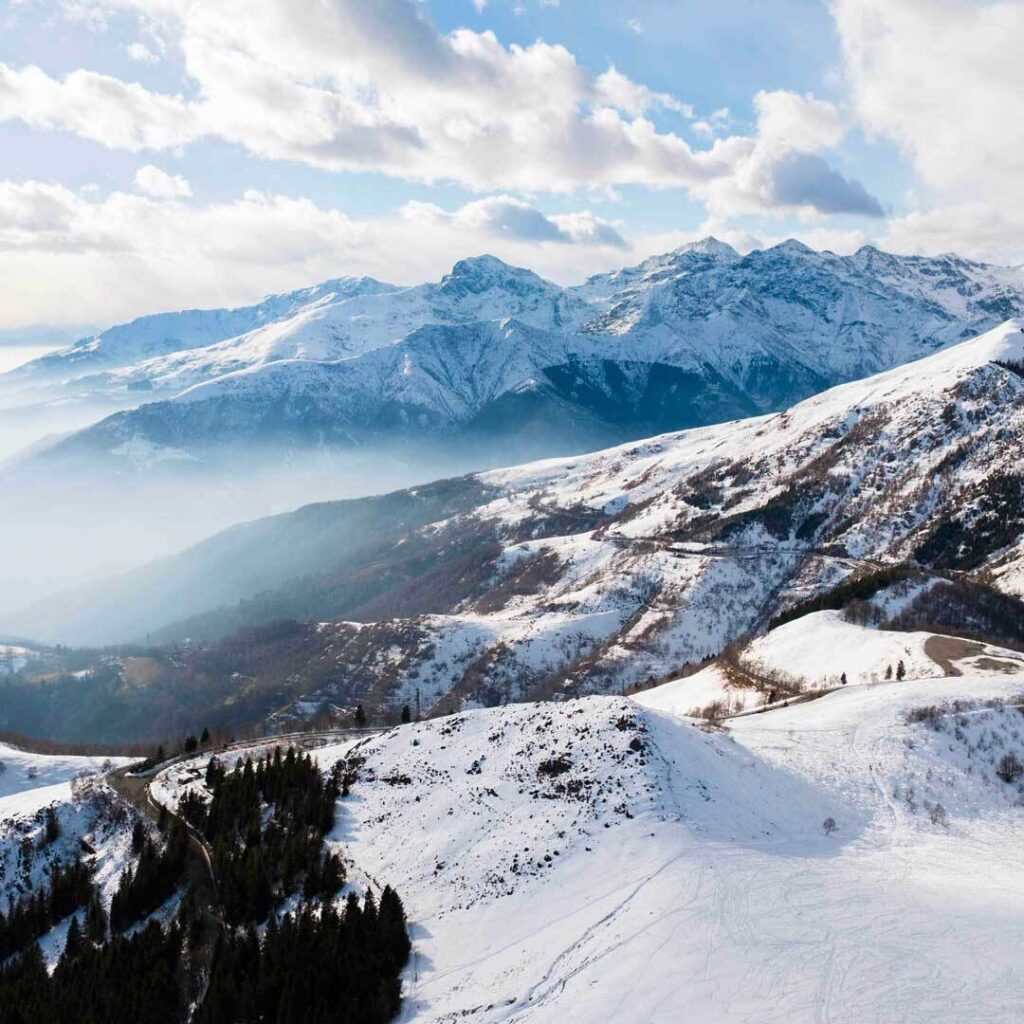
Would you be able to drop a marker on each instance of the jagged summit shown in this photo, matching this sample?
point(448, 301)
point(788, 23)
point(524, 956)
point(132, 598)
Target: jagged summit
point(708, 246)
point(693, 336)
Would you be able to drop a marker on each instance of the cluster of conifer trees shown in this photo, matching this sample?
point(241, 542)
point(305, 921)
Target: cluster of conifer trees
point(132, 980)
point(153, 880)
point(256, 862)
point(32, 917)
point(319, 967)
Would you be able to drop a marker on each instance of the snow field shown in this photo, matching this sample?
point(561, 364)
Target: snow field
point(818, 648)
point(717, 897)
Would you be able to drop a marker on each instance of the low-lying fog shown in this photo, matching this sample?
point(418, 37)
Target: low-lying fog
point(58, 533)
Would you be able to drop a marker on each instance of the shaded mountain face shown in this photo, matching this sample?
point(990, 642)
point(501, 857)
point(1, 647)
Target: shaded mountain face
point(494, 353)
point(590, 573)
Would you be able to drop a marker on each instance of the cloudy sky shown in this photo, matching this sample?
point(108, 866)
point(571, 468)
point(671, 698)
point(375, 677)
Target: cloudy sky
point(164, 153)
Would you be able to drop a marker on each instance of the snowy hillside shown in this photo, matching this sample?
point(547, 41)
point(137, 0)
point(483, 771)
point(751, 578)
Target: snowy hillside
point(814, 654)
point(70, 788)
point(29, 781)
point(598, 860)
point(695, 336)
point(163, 333)
point(603, 571)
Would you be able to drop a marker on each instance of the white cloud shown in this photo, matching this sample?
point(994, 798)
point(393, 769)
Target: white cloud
point(140, 254)
point(615, 88)
point(141, 53)
point(121, 115)
point(941, 78)
point(158, 183)
point(787, 120)
point(635, 25)
point(357, 86)
point(980, 230)
point(781, 168)
point(508, 217)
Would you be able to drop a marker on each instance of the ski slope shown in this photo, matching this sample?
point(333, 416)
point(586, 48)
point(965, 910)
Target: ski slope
point(695, 881)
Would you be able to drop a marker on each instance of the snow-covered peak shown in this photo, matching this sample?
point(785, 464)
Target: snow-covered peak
point(709, 246)
point(479, 274)
point(791, 247)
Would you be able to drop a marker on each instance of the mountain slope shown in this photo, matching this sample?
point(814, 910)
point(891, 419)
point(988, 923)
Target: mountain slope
point(163, 333)
point(595, 572)
point(595, 860)
point(462, 383)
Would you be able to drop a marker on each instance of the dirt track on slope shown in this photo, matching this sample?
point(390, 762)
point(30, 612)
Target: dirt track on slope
point(945, 650)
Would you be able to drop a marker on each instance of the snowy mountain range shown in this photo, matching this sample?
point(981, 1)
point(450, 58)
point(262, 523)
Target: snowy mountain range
point(594, 572)
point(696, 336)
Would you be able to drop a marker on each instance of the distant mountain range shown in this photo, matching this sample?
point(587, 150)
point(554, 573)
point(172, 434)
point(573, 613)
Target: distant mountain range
point(493, 353)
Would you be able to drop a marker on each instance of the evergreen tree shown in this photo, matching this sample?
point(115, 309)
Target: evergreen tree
point(95, 920)
point(901, 670)
point(52, 825)
point(73, 942)
point(360, 716)
point(139, 836)
point(888, 672)
point(406, 714)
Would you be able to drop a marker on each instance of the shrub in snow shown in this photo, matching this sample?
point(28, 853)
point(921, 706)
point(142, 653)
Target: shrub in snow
point(828, 826)
point(1010, 768)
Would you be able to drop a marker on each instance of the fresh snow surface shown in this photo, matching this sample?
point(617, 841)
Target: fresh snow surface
point(820, 647)
point(815, 650)
point(688, 695)
point(33, 780)
point(597, 860)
